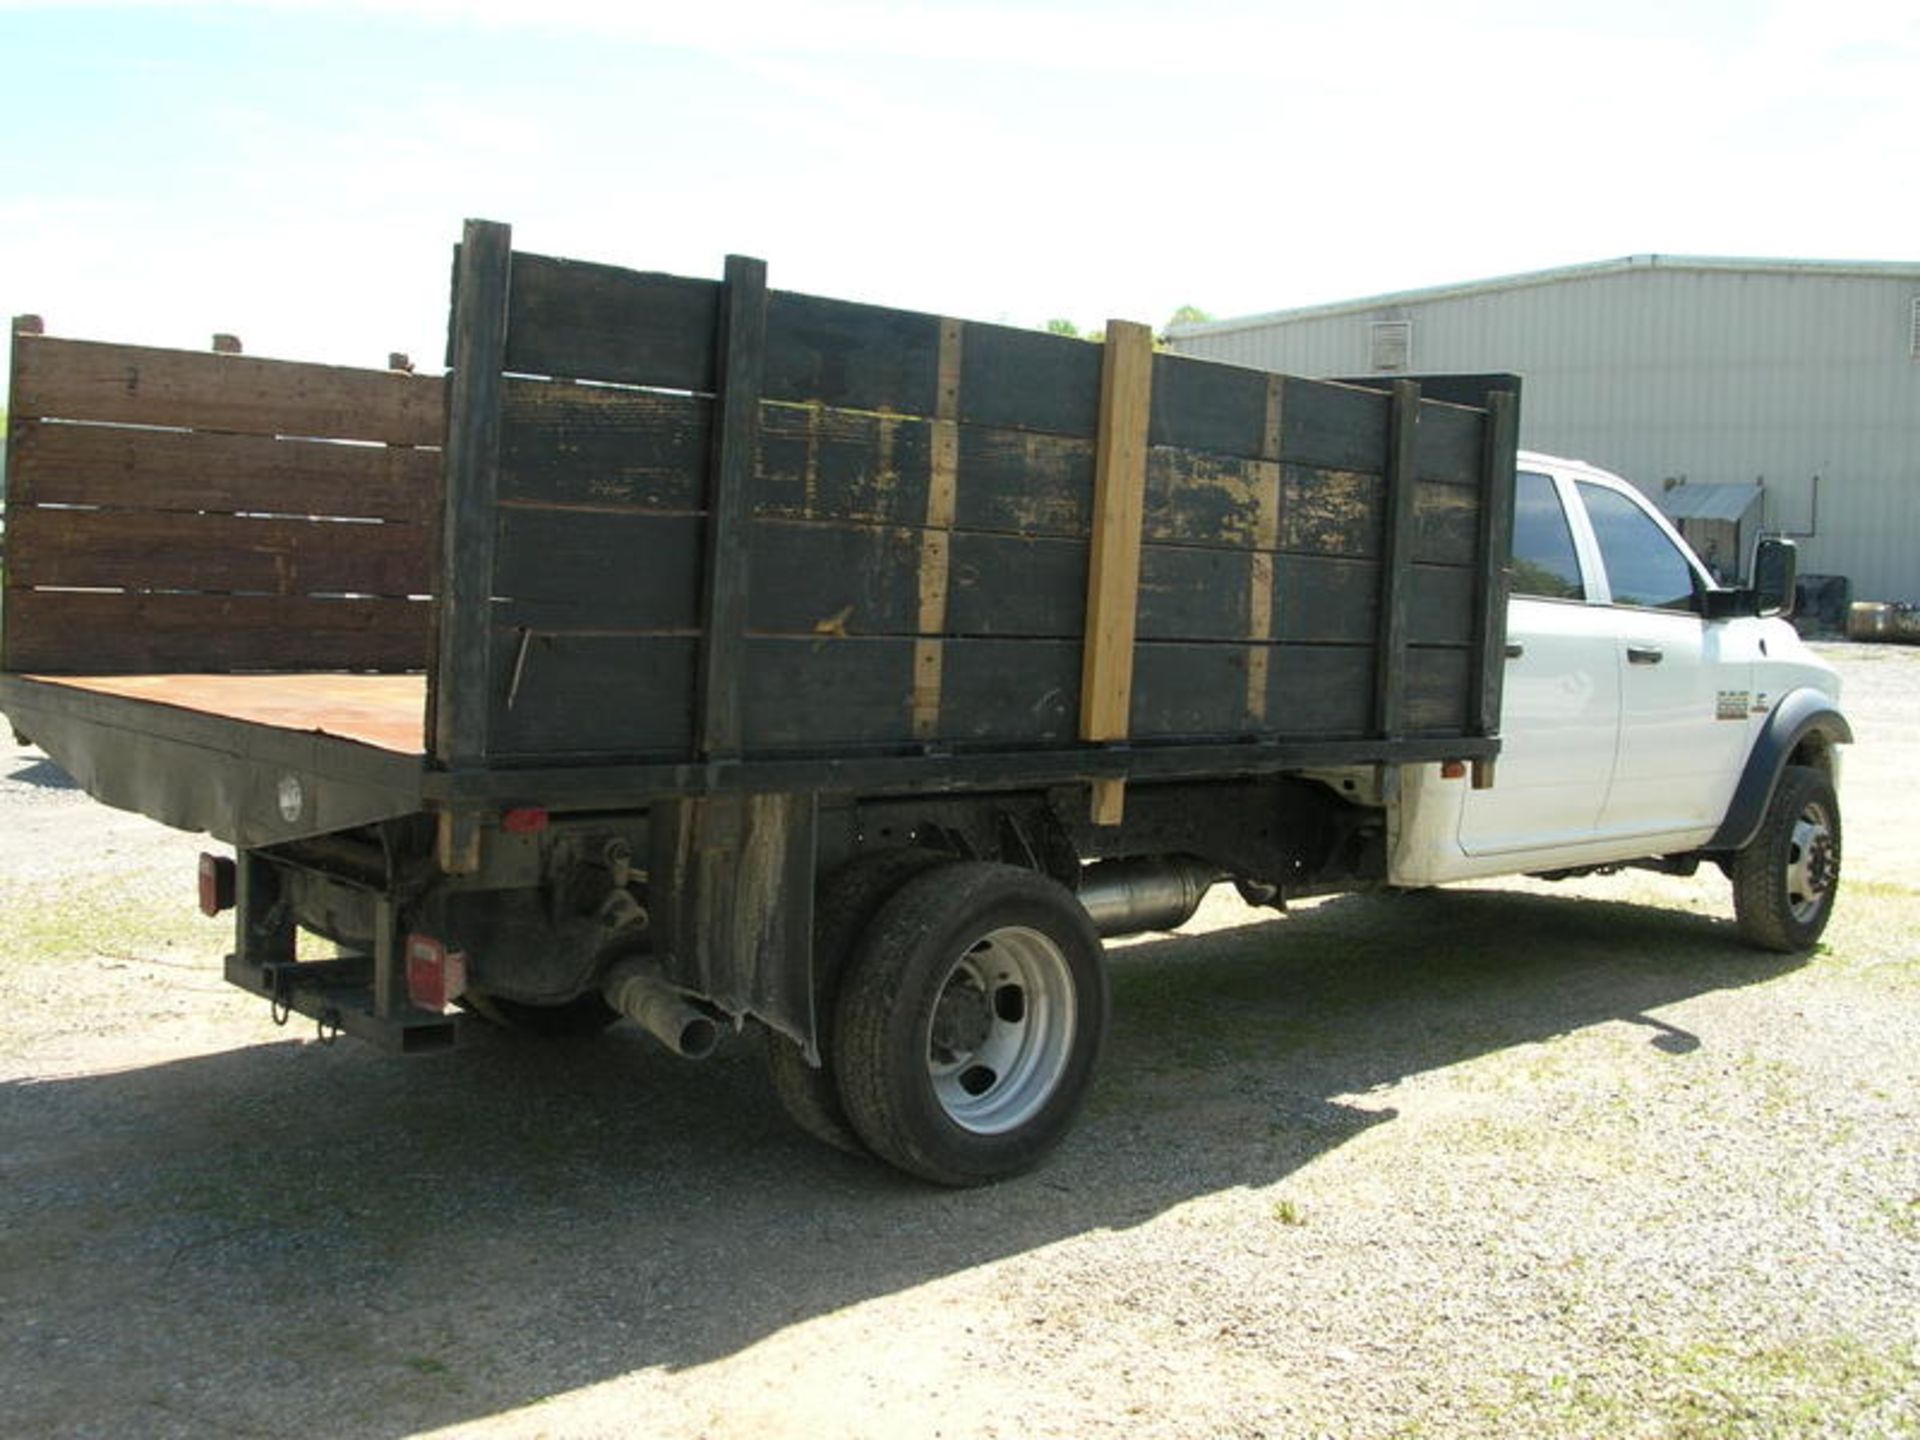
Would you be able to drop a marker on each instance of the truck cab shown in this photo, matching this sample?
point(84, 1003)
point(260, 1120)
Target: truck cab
point(1639, 695)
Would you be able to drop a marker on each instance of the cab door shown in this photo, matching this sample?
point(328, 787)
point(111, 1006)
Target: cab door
point(1560, 711)
point(1684, 691)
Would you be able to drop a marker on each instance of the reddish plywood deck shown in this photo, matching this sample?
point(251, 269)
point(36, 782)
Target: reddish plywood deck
point(386, 711)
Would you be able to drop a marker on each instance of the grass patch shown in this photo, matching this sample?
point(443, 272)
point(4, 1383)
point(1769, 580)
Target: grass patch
point(1836, 1385)
point(95, 918)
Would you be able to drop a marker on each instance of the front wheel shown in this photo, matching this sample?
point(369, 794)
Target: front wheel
point(969, 1022)
point(1784, 880)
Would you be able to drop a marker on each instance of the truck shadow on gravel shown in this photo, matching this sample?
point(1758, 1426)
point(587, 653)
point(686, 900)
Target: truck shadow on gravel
point(296, 1237)
point(41, 775)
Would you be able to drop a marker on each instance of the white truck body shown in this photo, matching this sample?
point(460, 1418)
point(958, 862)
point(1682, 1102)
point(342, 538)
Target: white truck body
point(1628, 717)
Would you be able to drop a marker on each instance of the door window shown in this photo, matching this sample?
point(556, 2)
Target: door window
point(1544, 560)
point(1644, 566)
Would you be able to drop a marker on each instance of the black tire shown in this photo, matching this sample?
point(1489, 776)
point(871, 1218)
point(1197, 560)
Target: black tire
point(969, 1023)
point(846, 905)
point(575, 1019)
point(1785, 879)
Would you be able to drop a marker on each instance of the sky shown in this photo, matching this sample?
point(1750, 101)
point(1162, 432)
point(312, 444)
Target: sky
point(296, 172)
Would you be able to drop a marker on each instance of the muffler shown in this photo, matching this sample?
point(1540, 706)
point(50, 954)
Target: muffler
point(1125, 897)
point(637, 991)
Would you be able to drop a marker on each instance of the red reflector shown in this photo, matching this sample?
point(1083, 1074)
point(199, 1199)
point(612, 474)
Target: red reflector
point(436, 976)
point(524, 820)
point(217, 876)
point(1453, 769)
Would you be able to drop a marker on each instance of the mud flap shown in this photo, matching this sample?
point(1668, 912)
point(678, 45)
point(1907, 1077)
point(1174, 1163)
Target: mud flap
point(730, 891)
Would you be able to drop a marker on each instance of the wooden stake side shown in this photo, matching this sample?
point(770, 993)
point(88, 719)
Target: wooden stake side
point(741, 350)
point(1113, 572)
point(936, 542)
point(460, 687)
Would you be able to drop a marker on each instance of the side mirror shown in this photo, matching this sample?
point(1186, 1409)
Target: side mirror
point(1776, 565)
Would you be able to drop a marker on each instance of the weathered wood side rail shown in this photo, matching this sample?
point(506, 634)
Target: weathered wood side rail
point(909, 502)
point(181, 511)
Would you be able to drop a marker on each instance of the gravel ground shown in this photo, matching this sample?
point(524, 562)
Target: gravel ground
point(1518, 1159)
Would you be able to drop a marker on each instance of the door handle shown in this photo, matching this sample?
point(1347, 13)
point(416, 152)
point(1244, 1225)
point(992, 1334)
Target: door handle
point(1645, 654)
point(1515, 650)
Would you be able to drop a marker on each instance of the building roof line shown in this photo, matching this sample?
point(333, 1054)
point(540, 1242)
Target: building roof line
point(1882, 269)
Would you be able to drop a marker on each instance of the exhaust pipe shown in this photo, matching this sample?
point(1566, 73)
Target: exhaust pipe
point(635, 989)
point(1125, 897)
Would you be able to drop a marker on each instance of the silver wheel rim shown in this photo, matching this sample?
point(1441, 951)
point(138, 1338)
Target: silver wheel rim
point(1002, 1031)
point(1813, 862)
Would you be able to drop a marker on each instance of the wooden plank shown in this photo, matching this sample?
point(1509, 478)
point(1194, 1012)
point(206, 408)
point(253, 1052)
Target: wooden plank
point(1333, 427)
point(1331, 512)
point(1441, 609)
point(1320, 691)
point(593, 695)
point(460, 695)
point(1200, 499)
point(586, 695)
point(1437, 699)
point(824, 695)
point(1113, 567)
point(104, 465)
point(140, 385)
point(816, 463)
point(1207, 406)
point(1008, 585)
point(1323, 601)
point(1190, 691)
point(595, 445)
point(1396, 564)
point(1198, 594)
point(583, 569)
point(1012, 692)
point(937, 539)
point(857, 357)
point(1260, 582)
point(161, 550)
point(1042, 485)
point(1024, 483)
point(95, 632)
point(812, 579)
point(1446, 524)
point(599, 322)
point(741, 352)
point(1029, 380)
point(1260, 633)
point(835, 579)
point(1450, 444)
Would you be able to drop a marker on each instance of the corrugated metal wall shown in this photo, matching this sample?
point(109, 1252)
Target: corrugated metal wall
point(1718, 375)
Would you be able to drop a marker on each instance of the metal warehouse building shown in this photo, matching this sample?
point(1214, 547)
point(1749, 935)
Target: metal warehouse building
point(1796, 379)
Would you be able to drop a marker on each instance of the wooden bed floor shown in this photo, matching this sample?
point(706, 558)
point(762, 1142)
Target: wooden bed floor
point(386, 711)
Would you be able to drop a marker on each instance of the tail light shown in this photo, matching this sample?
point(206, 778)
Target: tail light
point(436, 976)
point(217, 884)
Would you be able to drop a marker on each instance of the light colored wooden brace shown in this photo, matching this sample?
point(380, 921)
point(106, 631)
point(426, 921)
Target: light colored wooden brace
point(936, 539)
point(1113, 571)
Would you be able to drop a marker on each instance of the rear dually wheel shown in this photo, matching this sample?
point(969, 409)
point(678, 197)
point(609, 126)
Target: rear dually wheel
point(969, 1022)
